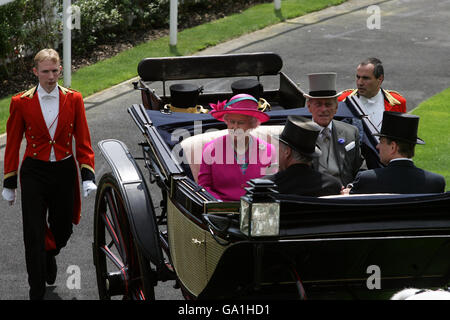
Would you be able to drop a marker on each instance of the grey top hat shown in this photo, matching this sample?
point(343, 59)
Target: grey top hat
point(322, 85)
point(301, 134)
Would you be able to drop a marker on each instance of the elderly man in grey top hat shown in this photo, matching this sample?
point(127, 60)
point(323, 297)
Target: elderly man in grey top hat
point(398, 138)
point(296, 153)
point(338, 141)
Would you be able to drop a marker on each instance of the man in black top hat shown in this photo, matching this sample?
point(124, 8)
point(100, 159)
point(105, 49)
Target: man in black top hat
point(398, 138)
point(296, 152)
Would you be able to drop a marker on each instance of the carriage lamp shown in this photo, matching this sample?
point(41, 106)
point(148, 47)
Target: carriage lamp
point(260, 213)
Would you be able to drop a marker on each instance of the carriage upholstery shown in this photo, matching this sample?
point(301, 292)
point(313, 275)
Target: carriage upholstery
point(193, 146)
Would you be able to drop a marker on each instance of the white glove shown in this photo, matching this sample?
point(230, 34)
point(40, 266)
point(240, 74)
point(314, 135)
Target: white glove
point(88, 186)
point(9, 195)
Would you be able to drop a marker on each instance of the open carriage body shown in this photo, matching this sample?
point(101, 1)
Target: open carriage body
point(154, 223)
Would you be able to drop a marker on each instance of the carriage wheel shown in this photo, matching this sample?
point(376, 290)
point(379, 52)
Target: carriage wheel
point(122, 270)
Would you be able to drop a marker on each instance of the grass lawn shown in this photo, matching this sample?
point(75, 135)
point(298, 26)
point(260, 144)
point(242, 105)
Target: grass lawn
point(109, 72)
point(434, 129)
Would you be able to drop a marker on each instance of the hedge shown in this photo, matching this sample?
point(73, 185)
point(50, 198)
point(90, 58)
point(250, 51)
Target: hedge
point(26, 26)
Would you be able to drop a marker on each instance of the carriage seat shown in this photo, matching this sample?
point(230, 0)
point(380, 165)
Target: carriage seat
point(193, 146)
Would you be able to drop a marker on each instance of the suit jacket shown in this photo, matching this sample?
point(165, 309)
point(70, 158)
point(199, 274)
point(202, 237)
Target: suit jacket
point(400, 176)
point(348, 161)
point(393, 101)
point(26, 119)
point(301, 179)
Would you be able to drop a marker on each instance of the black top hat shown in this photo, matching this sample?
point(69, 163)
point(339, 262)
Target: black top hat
point(184, 95)
point(249, 86)
point(400, 126)
point(301, 134)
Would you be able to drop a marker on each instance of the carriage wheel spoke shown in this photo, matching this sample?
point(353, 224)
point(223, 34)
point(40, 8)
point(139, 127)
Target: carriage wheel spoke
point(111, 230)
point(110, 244)
point(113, 209)
point(113, 258)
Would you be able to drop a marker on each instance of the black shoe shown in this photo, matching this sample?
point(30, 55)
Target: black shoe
point(51, 269)
point(37, 295)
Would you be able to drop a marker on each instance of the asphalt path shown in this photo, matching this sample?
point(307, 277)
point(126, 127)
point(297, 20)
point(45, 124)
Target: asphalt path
point(413, 42)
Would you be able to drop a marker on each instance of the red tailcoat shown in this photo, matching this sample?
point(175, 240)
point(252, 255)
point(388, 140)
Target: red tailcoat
point(26, 118)
point(393, 101)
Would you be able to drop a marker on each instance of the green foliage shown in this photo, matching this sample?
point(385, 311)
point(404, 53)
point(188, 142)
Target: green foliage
point(100, 20)
point(104, 20)
point(10, 29)
point(25, 25)
point(150, 14)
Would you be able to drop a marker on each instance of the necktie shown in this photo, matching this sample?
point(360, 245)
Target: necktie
point(325, 137)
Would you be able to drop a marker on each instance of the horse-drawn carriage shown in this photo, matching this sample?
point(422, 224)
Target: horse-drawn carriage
point(154, 223)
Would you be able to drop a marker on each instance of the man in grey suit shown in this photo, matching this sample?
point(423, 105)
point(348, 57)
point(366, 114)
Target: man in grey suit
point(338, 141)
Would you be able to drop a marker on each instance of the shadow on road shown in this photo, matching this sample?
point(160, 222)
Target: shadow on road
point(50, 293)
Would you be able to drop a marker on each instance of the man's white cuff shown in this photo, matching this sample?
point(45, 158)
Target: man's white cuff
point(88, 187)
point(9, 194)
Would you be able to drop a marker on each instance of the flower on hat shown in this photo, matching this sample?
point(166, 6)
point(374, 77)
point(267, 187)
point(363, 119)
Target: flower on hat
point(219, 106)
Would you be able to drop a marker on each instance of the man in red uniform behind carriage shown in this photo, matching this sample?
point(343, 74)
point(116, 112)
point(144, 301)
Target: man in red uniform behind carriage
point(373, 99)
point(50, 117)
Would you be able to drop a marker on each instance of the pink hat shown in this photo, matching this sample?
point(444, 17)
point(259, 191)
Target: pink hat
point(241, 104)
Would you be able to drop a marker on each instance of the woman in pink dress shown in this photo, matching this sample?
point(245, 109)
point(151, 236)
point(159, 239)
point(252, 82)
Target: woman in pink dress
point(228, 162)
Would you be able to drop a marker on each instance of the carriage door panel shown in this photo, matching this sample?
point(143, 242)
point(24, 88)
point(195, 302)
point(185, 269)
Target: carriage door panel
point(187, 250)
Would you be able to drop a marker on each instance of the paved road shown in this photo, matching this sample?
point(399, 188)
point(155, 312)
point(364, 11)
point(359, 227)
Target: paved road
point(413, 42)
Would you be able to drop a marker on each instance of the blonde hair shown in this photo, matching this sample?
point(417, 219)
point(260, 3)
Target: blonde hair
point(46, 54)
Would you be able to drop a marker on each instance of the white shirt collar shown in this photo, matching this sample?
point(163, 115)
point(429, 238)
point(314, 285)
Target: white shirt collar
point(400, 159)
point(52, 94)
point(376, 98)
point(329, 126)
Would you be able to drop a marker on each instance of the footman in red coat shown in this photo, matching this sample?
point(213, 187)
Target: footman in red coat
point(50, 117)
